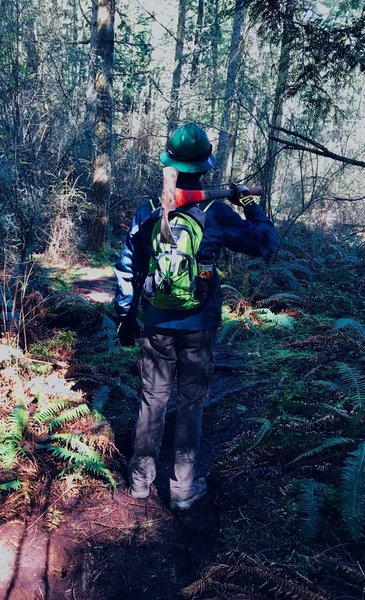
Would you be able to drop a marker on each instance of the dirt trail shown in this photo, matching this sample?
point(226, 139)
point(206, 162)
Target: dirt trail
point(164, 552)
point(95, 283)
point(111, 546)
point(157, 561)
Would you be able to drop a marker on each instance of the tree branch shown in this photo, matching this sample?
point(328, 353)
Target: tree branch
point(318, 149)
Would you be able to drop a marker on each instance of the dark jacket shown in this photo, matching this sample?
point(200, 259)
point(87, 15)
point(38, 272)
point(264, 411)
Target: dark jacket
point(255, 235)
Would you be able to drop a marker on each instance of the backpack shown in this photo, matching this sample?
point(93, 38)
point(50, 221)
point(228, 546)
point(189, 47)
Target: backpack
point(178, 279)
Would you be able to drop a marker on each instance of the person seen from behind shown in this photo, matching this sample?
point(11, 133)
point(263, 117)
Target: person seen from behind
point(179, 289)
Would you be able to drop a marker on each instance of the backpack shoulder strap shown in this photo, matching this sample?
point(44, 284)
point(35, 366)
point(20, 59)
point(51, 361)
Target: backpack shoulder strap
point(154, 203)
point(207, 206)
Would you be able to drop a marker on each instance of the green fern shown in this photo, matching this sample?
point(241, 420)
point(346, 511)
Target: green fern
point(330, 443)
point(8, 455)
point(72, 414)
point(11, 437)
point(235, 327)
point(77, 460)
point(16, 424)
point(99, 400)
point(354, 383)
point(309, 503)
point(298, 269)
point(286, 297)
point(285, 276)
point(11, 486)
point(230, 288)
point(270, 319)
point(228, 329)
point(75, 443)
point(52, 409)
point(266, 426)
point(352, 323)
point(353, 491)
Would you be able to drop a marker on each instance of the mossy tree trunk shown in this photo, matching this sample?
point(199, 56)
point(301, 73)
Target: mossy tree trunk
point(102, 168)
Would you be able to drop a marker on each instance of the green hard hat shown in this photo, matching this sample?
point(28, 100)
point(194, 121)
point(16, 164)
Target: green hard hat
point(188, 150)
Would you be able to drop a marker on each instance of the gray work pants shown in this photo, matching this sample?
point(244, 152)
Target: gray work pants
point(188, 355)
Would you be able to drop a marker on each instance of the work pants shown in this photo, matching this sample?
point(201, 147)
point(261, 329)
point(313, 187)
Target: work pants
point(166, 353)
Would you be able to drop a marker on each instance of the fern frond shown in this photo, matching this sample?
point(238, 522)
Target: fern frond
point(75, 443)
point(128, 391)
point(299, 269)
point(52, 409)
point(99, 400)
point(267, 317)
point(288, 298)
point(11, 486)
point(353, 491)
point(266, 426)
point(8, 455)
point(227, 330)
point(284, 275)
point(355, 383)
point(54, 518)
point(309, 504)
point(230, 288)
point(72, 414)
point(330, 443)
point(77, 460)
point(99, 471)
point(16, 424)
point(352, 323)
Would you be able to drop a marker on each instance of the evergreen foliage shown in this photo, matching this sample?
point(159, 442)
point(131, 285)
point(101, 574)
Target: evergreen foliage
point(353, 492)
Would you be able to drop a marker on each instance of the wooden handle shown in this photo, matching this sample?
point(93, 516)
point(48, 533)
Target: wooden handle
point(168, 201)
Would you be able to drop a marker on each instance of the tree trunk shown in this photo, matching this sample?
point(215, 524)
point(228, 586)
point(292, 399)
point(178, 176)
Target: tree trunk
point(214, 46)
point(176, 76)
point(226, 141)
point(197, 44)
point(268, 172)
point(101, 183)
point(90, 102)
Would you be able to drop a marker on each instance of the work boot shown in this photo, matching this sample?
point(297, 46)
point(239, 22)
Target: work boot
point(200, 489)
point(139, 493)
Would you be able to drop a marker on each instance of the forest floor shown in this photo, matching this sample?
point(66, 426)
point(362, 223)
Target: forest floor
point(239, 542)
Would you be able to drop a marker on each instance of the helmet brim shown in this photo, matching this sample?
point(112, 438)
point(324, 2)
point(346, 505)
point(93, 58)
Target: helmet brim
point(188, 167)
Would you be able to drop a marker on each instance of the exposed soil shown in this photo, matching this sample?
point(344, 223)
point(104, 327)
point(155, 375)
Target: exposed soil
point(110, 546)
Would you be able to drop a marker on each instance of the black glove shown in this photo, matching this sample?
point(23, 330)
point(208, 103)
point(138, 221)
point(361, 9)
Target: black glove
point(128, 330)
point(241, 195)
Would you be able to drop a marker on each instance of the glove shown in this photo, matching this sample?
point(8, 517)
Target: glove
point(128, 330)
point(241, 195)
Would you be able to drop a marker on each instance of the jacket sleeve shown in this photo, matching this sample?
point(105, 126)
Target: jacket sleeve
point(132, 266)
point(255, 235)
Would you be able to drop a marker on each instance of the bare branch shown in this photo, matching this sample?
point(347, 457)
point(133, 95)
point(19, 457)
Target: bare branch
point(319, 150)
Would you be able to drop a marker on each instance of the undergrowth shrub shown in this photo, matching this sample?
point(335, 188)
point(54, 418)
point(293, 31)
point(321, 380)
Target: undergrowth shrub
point(48, 431)
point(60, 345)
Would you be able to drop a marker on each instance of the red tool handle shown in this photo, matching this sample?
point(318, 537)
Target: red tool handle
point(183, 197)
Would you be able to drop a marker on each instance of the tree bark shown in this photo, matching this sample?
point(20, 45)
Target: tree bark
point(226, 141)
point(101, 182)
point(176, 76)
point(268, 172)
point(214, 46)
point(197, 42)
point(90, 101)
